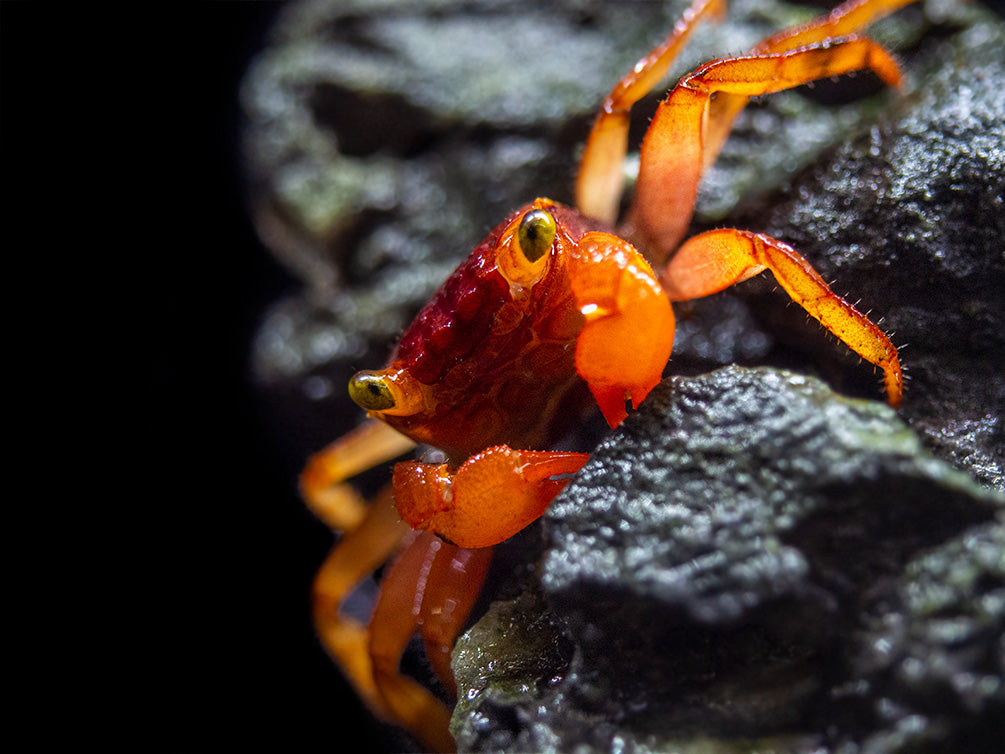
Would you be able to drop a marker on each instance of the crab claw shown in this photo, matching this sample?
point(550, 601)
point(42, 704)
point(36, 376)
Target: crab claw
point(626, 341)
point(488, 499)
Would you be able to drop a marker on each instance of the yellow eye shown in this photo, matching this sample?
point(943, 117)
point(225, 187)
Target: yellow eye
point(523, 255)
point(371, 391)
point(391, 392)
point(535, 234)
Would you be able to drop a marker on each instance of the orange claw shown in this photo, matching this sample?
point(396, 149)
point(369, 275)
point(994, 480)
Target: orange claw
point(491, 497)
point(626, 341)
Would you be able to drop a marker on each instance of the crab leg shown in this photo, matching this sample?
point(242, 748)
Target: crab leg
point(488, 499)
point(601, 179)
point(673, 151)
point(845, 20)
point(321, 482)
point(358, 554)
point(453, 586)
point(431, 586)
point(711, 261)
point(372, 534)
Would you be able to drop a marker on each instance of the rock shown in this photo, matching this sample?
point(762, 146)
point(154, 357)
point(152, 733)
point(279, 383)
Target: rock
point(751, 557)
point(910, 216)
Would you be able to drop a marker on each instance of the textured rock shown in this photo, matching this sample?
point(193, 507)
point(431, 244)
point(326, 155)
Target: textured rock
point(750, 557)
point(910, 216)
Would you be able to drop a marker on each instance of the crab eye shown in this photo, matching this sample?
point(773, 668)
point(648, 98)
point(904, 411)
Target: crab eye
point(535, 234)
point(371, 391)
point(392, 392)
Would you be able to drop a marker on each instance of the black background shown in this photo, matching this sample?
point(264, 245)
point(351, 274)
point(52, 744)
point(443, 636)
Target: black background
point(246, 666)
point(174, 558)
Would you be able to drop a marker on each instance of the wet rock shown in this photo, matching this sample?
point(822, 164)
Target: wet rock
point(751, 557)
point(517, 651)
point(910, 217)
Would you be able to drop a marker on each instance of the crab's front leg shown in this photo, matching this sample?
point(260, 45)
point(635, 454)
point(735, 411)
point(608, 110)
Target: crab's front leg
point(355, 557)
point(712, 261)
point(323, 481)
point(430, 588)
point(370, 535)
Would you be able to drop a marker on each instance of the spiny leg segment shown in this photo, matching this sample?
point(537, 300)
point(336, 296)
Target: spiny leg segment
point(712, 261)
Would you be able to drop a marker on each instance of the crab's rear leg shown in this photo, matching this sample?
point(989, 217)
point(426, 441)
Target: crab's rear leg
point(717, 259)
point(674, 150)
point(600, 180)
point(845, 20)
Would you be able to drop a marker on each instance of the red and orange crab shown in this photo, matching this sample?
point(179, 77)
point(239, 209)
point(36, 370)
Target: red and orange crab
point(556, 309)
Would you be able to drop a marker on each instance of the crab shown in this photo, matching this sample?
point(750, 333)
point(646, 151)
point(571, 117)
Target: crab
point(558, 310)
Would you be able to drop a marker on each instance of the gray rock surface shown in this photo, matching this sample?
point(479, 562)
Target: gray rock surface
point(910, 216)
point(752, 558)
